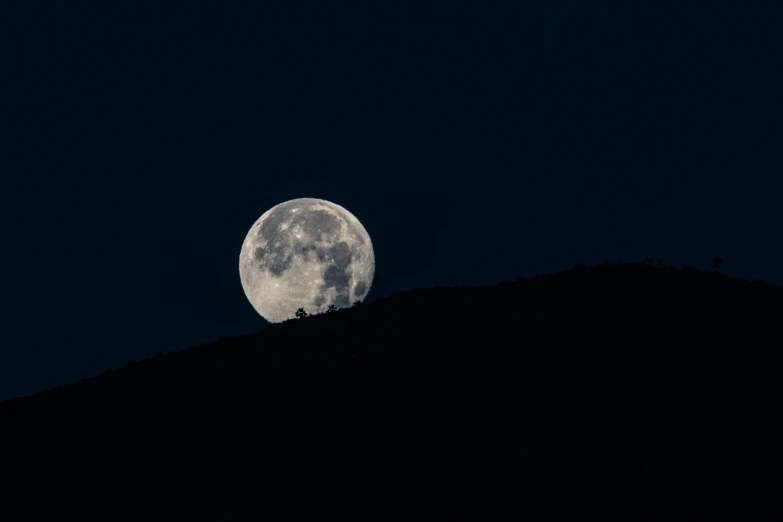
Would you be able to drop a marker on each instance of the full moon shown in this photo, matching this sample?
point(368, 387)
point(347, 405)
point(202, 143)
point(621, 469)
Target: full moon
point(305, 253)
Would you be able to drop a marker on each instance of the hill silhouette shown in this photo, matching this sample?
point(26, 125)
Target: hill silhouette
point(617, 392)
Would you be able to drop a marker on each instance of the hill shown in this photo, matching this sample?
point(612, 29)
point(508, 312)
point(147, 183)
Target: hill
point(618, 392)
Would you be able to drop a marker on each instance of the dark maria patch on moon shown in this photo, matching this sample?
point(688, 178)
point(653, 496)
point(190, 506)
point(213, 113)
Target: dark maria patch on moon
point(271, 226)
point(336, 278)
point(307, 250)
point(336, 275)
point(342, 301)
point(341, 255)
point(280, 262)
point(359, 289)
point(317, 223)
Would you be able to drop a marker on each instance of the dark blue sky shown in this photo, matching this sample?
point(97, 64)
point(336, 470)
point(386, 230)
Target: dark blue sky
point(475, 143)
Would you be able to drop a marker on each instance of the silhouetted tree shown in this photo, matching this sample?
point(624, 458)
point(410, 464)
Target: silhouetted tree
point(301, 314)
point(647, 261)
point(659, 262)
point(357, 303)
point(331, 308)
point(717, 262)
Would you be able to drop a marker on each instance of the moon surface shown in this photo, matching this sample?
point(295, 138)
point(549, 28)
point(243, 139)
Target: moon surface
point(305, 253)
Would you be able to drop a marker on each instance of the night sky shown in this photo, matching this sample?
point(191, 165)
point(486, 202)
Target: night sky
point(476, 144)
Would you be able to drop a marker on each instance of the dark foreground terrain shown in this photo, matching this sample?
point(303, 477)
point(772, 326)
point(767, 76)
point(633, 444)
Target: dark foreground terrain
point(610, 393)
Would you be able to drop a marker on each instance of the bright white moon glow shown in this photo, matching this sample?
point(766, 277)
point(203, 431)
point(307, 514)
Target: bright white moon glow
point(305, 253)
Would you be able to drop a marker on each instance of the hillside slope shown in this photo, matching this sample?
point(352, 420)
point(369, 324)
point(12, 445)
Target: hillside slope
point(616, 392)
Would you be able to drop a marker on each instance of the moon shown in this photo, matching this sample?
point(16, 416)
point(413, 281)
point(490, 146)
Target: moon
point(305, 253)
